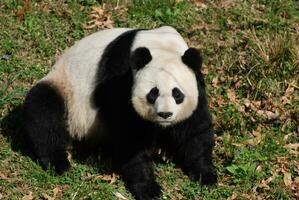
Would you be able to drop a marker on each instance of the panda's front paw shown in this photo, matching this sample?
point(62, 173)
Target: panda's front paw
point(208, 176)
point(145, 191)
point(44, 162)
point(61, 164)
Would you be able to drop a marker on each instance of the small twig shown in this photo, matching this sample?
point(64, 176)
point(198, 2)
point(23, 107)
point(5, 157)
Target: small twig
point(292, 84)
point(77, 191)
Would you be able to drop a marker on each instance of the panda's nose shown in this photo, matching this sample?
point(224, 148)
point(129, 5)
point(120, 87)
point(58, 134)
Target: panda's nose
point(165, 115)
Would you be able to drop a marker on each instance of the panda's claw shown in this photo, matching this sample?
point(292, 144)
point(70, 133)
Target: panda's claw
point(205, 177)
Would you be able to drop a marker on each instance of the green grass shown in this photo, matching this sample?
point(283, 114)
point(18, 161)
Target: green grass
point(251, 56)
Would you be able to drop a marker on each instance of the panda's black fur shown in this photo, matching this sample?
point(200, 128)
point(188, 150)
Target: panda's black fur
point(45, 124)
point(131, 139)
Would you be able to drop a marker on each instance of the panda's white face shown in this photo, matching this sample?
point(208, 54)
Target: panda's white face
point(165, 91)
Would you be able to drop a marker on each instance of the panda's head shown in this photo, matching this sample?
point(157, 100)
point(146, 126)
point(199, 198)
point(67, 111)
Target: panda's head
point(165, 87)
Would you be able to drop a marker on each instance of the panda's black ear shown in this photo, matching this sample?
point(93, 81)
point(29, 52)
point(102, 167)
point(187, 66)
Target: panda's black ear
point(140, 57)
point(192, 59)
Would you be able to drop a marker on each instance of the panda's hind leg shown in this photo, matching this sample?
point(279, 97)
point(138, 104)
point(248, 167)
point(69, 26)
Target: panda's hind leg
point(45, 126)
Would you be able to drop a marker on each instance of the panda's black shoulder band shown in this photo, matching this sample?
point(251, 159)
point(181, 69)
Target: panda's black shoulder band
point(115, 60)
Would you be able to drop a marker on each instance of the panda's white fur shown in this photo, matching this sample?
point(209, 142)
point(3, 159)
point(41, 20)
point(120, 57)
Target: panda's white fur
point(74, 72)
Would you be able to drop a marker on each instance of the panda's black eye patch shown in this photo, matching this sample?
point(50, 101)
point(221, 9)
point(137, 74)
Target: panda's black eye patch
point(152, 95)
point(178, 95)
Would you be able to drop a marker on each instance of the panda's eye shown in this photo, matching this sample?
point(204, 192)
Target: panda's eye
point(178, 95)
point(152, 95)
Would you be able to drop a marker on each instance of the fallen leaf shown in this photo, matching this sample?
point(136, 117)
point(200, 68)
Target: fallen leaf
point(287, 179)
point(57, 192)
point(28, 196)
point(99, 10)
point(100, 18)
point(109, 178)
point(292, 146)
point(257, 137)
point(264, 184)
point(247, 103)
point(26, 7)
point(259, 168)
point(268, 114)
point(271, 115)
point(290, 90)
point(231, 95)
point(119, 196)
point(233, 196)
point(108, 23)
point(204, 70)
point(215, 82)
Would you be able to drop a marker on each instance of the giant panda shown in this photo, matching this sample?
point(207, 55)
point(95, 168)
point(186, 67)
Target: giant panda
point(137, 90)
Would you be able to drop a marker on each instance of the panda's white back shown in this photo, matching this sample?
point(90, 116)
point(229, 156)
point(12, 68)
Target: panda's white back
point(74, 73)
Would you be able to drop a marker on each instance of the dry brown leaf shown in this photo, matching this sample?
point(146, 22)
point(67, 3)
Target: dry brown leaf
point(204, 69)
point(231, 95)
point(293, 146)
point(28, 196)
point(3, 176)
point(287, 179)
point(119, 196)
point(247, 103)
point(264, 184)
point(215, 82)
point(259, 168)
point(268, 114)
point(26, 7)
point(108, 23)
point(99, 10)
point(99, 19)
point(286, 137)
point(220, 101)
point(257, 137)
point(234, 196)
point(57, 192)
point(285, 100)
point(271, 115)
point(109, 178)
point(289, 91)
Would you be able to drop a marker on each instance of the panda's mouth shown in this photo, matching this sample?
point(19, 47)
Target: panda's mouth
point(164, 122)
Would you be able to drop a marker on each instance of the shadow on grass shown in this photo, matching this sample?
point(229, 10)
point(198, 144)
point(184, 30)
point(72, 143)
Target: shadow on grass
point(83, 152)
point(11, 126)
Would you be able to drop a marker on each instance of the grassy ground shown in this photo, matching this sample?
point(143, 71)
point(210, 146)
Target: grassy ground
point(251, 55)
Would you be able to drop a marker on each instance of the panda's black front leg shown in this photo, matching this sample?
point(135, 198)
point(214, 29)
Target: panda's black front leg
point(196, 158)
point(45, 126)
point(137, 172)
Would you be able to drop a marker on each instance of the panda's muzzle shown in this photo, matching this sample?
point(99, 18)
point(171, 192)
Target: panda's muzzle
point(165, 115)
